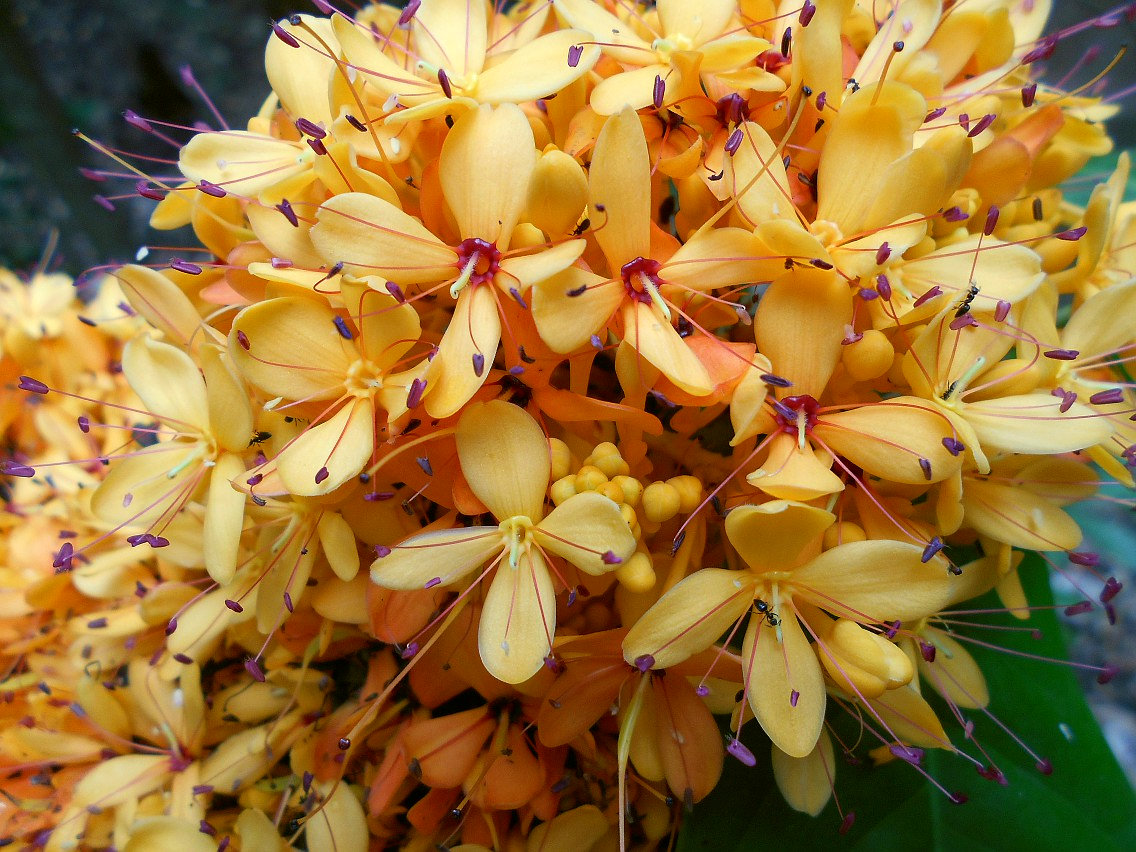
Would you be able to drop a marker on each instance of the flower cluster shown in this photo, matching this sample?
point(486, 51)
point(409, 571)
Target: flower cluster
point(550, 380)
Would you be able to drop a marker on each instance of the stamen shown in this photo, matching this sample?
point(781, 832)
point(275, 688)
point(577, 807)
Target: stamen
point(739, 752)
point(644, 663)
point(575, 51)
point(932, 548)
point(807, 12)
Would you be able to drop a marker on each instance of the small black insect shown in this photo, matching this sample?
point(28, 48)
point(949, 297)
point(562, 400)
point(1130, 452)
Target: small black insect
point(259, 437)
point(964, 308)
point(767, 613)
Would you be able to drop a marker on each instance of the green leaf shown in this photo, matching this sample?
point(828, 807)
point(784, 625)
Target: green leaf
point(1086, 803)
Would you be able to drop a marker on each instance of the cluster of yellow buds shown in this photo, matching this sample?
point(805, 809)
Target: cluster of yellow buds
point(551, 378)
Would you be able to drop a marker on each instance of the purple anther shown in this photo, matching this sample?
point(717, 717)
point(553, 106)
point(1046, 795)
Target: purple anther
point(1107, 397)
point(1079, 608)
point(776, 381)
point(893, 629)
point(444, 82)
point(14, 468)
point(62, 561)
point(356, 123)
point(868, 294)
point(234, 606)
point(409, 12)
point(1062, 354)
point(185, 266)
point(414, 395)
point(734, 142)
point(341, 327)
point(573, 593)
point(702, 690)
point(954, 446)
point(658, 92)
point(157, 541)
point(92, 174)
point(991, 220)
point(955, 214)
point(965, 321)
point(321, 475)
point(596, 342)
point(1073, 234)
point(807, 11)
point(518, 298)
point(847, 822)
point(202, 789)
point(576, 291)
point(925, 465)
point(575, 51)
point(310, 128)
point(284, 35)
point(1028, 94)
point(98, 623)
point(288, 602)
point(822, 99)
point(981, 124)
point(432, 582)
point(1085, 558)
point(1111, 589)
point(909, 754)
point(104, 202)
point(794, 697)
point(211, 189)
point(938, 112)
point(739, 752)
point(395, 292)
point(280, 263)
point(609, 558)
point(317, 146)
point(424, 463)
point(135, 120)
point(644, 662)
point(381, 551)
point(897, 46)
point(883, 253)
point(1002, 310)
point(478, 364)
point(786, 41)
point(1044, 766)
point(933, 293)
point(285, 207)
point(144, 189)
point(1107, 674)
point(254, 671)
point(928, 651)
point(932, 548)
point(1043, 50)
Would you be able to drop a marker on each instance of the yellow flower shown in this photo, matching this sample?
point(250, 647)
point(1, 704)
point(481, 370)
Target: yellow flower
point(505, 457)
point(787, 580)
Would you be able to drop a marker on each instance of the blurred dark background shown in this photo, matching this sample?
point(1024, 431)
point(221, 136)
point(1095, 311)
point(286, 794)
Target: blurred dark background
point(80, 63)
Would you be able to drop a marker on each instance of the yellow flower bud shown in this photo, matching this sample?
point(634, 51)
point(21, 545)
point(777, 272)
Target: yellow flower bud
point(869, 357)
point(689, 492)
point(661, 502)
point(607, 458)
point(611, 491)
point(628, 514)
point(589, 478)
point(843, 533)
point(632, 489)
point(561, 458)
point(563, 488)
point(636, 574)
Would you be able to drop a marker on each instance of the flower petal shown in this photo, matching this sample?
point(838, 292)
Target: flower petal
point(160, 301)
point(790, 473)
point(302, 78)
point(628, 90)
point(1033, 423)
point(656, 340)
point(566, 322)
point(230, 412)
point(168, 382)
point(294, 349)
point(328, 454)
point(451, 34)
point(484, 144)
point(777, 535)
point(619, 161)
point(583, 529)
point(784, 684)
point(723, 257)
point(444, 555)
point(875, 581)
point(1017, 516)
point(518, 619)
point(690, 617)
point(474, 330)
point(224, 519)
point(505, 458)
point(369, 234)
point(241, 162)
point(756, 176)
point(537, 69)
point(387, 328)
point(806, 782)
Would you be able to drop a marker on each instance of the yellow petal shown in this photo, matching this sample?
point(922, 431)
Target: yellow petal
point(954, 674)
point(723, 257)
point(294, 349)
point(1017, 516)
point(483, 145)
point(581, 828)
point(1104, 323)
point(537, 69)
point(629, 90)
point(505, 458)
point(168, 382)
point(690, 617)
point(656, 340)
point(799, 329)
point(806, 782)
point(784, 684)
point(913, 22)
point(121, 779)
point(470, 340)
point(567, 322)
point(1033, 423)
point(860, 660)
point(167, 832)
point(583, 529)
point(330, 453)
point(777, 535)
point(619, 161)
point(230, 413)
point(756, 176)
point(387, 329)
point(791, 473)
point(524, 270)
point(1001, 271)
point(224, 518)
point(518, 619)
point(339, 823)
point(451, 34)
point(875, 581)
point(699, 22)
point(241, 162)
point(910, 718)
point(620, 40)
point(558, 193)
point(302, 78)
point(139, 488)
point(160, 301)
point(444, 556)
point(338, 543)
point(892, 439)
point(369, 235)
